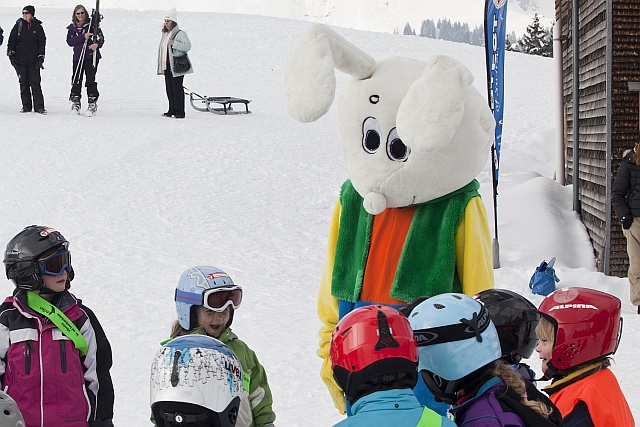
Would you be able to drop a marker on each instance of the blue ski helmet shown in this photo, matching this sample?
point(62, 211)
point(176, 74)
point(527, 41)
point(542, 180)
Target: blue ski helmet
point(192, 285)
point(455, 335)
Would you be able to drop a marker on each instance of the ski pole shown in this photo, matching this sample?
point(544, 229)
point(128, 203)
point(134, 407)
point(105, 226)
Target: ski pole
point(78, 72)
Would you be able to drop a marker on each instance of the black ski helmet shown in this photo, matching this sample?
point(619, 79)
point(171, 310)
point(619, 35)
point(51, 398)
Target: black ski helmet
point(23, 252)
point(515, 318)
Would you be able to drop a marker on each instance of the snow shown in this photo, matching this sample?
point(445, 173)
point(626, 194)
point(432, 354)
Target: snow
point(142, 197)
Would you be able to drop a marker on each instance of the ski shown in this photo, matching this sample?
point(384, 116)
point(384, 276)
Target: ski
point(95, 28)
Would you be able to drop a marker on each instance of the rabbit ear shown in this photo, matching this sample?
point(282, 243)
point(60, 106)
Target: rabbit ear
point(434, 105)
point(310, 81)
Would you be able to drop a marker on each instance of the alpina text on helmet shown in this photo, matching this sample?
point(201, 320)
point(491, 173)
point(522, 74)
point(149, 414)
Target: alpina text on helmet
point(563, 306)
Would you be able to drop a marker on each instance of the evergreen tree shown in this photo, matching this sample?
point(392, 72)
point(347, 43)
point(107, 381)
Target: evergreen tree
point(511, 42)
point(547, 49)
point(428, 29)
point(465, 35)
point(477, 36)
point(407, 30)
point(445, 29)
point(533, 42)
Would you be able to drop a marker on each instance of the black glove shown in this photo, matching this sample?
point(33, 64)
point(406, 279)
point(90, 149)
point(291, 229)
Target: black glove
point(40, 61)
point(626, 221)
point(101, 423)
point(12, 59)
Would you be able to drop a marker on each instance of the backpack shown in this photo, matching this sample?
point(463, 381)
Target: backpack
point(544, 279)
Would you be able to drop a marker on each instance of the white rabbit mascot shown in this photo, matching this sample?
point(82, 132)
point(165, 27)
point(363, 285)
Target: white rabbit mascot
point(409, 222)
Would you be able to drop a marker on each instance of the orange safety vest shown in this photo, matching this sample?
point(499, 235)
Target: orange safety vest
point(602, 395)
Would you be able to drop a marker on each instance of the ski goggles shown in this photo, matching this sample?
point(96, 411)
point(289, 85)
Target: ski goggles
point(55, 264)
point(216, 299)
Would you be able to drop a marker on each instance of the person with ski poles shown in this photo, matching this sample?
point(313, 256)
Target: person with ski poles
point(85, 46)
point(26, 49)
point(55, 358)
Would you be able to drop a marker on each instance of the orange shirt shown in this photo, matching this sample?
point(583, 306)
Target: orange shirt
point(388, 235)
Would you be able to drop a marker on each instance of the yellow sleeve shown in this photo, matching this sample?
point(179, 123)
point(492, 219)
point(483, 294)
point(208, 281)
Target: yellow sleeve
point(328, 313)
point(474, 260)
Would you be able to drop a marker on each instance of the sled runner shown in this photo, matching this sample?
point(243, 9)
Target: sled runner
point(217, 104)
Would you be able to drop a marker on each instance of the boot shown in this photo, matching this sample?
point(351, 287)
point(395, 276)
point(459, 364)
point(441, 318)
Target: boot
point(75, 104)
point(92, 107)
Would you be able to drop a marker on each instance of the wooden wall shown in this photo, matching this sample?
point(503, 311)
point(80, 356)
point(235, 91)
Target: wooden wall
point(592, 155)
point(609, 40)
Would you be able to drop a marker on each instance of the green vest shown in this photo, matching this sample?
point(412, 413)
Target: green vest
point(427, 265)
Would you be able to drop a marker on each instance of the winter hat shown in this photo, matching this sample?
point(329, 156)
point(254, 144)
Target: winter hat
point(30, 9)
point(172, 15)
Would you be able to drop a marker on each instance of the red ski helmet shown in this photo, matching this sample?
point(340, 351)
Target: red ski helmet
point(370, 342)
point(587, 323)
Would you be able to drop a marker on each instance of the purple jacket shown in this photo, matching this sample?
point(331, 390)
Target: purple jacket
point(75, 39)
point(41, 369)
point(484, 410)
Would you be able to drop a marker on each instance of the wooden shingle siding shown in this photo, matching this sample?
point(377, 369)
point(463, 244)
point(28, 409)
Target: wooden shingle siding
point(609, 58)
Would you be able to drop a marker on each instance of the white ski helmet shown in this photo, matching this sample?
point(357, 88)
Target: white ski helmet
point(10, 415)
point(195, 380)
point(194, 283)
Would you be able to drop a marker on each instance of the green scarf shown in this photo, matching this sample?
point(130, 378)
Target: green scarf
point(428, 259)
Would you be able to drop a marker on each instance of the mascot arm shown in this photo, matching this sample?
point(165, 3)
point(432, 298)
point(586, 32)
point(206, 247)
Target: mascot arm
point(328, 313)
point(473, 249)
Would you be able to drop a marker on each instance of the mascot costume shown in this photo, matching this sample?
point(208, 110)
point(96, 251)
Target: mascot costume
point(409, 222)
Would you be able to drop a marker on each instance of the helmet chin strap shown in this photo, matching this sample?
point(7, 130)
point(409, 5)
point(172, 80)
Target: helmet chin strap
point(549, 373)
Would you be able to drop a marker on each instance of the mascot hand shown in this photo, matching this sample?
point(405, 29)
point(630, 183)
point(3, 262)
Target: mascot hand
point(336, 392)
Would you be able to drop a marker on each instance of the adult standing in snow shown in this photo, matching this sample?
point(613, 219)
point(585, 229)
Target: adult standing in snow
point(174, 43)
point(625, 198)
point(85, 45)
point(25, 48)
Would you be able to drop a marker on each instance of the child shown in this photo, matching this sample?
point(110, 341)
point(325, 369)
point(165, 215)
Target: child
point(54, 355)
point(579, 328)
point(206, 299)
point(196, 381)
point(459, 352)
point(374, 360)
point(515, 319)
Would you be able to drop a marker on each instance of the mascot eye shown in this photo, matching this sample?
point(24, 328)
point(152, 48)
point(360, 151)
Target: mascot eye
point(396, 150)
point(370, 135)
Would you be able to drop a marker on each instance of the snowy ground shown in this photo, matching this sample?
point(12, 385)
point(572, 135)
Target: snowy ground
point(142, 197)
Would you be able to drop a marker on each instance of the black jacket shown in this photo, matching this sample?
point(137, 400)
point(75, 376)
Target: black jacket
point(625, 196)
point(28, 42)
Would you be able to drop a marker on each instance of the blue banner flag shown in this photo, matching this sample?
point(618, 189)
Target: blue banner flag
point(495, 28)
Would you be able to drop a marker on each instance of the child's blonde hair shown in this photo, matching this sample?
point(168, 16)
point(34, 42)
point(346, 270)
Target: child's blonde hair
point(515, 382)
point(546, 330)
point(177, 330)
